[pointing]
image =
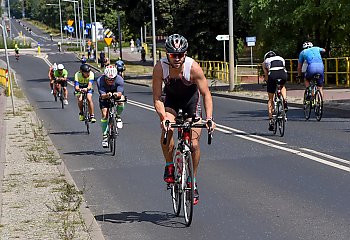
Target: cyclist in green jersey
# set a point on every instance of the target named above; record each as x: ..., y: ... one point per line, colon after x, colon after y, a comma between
x: 83, y: 81
x: 60, y: 76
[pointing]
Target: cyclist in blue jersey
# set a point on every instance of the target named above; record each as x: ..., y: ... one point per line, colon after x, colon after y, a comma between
x: 312, y: 55
x: 120, y: 65
x: 110, y: 84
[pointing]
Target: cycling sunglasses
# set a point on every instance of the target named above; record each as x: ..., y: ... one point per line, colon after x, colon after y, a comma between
x: 176, y: 55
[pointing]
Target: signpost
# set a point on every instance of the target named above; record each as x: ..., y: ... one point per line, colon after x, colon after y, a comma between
x: 223, y: 38
x: 108, y: 40
x: 251, y: 43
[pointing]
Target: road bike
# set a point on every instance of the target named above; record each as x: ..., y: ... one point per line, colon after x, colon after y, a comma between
x: 58, y: 92
x: 182, y: 190
x: 17, y: 57
x: 113, y: 131
x: 279, y: 116
x: 86, y: 113
x: 313, y: 99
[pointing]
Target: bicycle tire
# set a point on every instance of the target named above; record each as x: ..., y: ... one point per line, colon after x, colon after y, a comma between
x: 318, y: 105
x: 55, y: 95
x: 86, y: 116
x: 307, y: 106
x: 281, y: 117
x: 62, y: 98
x: 188, y: 192
x: 275, y: 112
x: 176, y: 186
x: 113, y: 135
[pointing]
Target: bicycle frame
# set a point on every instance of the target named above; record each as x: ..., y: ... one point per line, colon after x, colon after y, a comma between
x: 279, y: 115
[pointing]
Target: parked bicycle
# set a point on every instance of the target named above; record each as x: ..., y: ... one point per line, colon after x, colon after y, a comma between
x: 279, y: 116
x: 313, y: 99
x: 182, y: 190
x: 58, y: 92
x: 113, y: 131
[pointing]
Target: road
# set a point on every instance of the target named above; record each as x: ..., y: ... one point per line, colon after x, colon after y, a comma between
x: 252, y: 185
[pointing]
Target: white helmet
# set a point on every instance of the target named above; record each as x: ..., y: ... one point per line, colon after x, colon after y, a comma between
x: 54, y: 66
x: 111, y: 71
x: 307, y: 45
x: 60, y: 66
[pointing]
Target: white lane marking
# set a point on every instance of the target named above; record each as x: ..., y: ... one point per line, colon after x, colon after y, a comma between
x: 267, y: 142
x: 299, y: 153
x: 327, y: 156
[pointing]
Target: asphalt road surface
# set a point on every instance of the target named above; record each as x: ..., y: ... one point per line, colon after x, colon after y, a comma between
x: 252, y: 184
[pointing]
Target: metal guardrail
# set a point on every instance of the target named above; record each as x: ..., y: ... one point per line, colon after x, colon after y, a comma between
x: 337, y: 70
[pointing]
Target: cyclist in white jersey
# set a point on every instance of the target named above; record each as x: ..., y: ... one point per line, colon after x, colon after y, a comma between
x: 184, y: 84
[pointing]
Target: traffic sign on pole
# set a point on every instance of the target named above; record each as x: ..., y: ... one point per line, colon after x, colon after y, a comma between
x: 222, y: 37
x: 108, y: 41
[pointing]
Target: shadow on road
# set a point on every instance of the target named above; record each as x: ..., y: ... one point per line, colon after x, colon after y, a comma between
x: 85, y: 153
x: 69, y: 133
x: 163, y: 219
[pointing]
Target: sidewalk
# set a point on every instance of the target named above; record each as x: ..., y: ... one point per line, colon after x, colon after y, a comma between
x: 335, y: 97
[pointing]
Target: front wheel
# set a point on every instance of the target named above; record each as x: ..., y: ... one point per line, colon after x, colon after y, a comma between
x: 176, y: 187
x: 112, y: 135
x: 188, y: 185
x: 318, y: 105
x: 86, y: 116
x: 307, y: 105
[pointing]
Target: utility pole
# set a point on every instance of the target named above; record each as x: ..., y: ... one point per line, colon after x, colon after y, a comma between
x: 231, y: 47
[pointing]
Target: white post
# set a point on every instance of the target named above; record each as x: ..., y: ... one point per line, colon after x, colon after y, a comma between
x: 251, y: 56
x: 154, y: 48
x: 8, y: 67
x: 75, y: 20
x: 59, y: 5
x: 8, y: 8
x: 231, y: 46
x: 224, y: 51
x: 95, y: 32
x: 141, y: 36
x: 80, y: 42
x: 82, y: 20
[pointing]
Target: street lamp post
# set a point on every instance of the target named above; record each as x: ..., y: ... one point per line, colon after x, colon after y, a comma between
x: 154, y: 48
x: 59, y: 5
x: 82, y: 21
x: 95, y: 32
x: 8, y: 66
x: 75, y: 19
x: 231, y: 47
x: 9, y: 15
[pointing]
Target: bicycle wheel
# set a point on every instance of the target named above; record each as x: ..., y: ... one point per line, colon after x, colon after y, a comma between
x: 86, y: 116
x: 307, y: 106
x: 275, y: 114
x: 176, y: 187
x: 281, y: 118
x: 188, y: 187
x: 113, y: 135
x: 55, y: 94
x: 318, y: 105
x: 61, y: 98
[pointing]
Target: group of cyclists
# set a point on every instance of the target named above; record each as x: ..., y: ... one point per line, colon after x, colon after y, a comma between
x: 309, y: 63
x: 178, y: 83
x: 110, y: 84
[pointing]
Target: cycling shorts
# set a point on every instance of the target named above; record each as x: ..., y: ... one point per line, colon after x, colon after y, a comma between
x: 90, y: 91
x: 273, y: 76
x: 315, y: 68
x: 63, y: 83
x: 191, y: 106
x: 17, y: 51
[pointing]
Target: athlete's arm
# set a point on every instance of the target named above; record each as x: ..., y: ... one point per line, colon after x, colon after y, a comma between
x: 198, y: 77
x: 300, y: 63
x: 157, y: 90
x: 266, y: 73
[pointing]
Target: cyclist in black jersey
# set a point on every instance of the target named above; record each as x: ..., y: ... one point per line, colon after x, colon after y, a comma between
x: 184, y: 84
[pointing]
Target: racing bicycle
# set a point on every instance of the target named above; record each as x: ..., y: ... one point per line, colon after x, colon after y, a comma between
x: 113, y: 131
x: 86, y: 113
x: 58, y: 92
x: 182, y: 190
x: 279, y: 116
x: 313, y: 99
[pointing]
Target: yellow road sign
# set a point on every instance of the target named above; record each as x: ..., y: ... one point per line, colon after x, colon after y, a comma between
x: 108, y: 41
x: 108, y: 33
x: 70, y: 22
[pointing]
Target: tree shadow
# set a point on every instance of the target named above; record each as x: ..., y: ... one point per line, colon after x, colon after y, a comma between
x: 163, y: 219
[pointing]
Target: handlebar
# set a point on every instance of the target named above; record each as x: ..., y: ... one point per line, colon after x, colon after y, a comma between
x: 188, y: 125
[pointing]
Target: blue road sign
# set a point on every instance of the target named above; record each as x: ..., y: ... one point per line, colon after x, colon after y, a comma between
x: 65, y: 28
x: 71, y: 29
x: 88, y: 26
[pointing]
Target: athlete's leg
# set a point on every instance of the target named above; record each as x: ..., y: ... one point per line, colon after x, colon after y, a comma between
x: 91, y: 104
x: 196, y: 153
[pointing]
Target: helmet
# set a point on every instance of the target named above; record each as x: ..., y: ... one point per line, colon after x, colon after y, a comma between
x: 54, y: 66
x: 269, y: 54
x: 85, y: 68
x: 307, y: 45
x: 60, y: 66
x: 176, y: 44
x: 111, y: 71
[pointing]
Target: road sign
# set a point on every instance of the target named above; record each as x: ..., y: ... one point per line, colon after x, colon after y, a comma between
x: 88, y: 26
x: 70, y: 29
x: 250, y: 41
x: 70, y: 22
x: 222, y: 37
x: 108, y: 41
x: 108, y: 33
x: 65, y: 28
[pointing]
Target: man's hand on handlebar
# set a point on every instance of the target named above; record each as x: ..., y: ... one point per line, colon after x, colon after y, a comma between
x: 210, y: 125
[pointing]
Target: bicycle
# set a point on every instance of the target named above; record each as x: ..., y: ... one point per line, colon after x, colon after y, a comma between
x: 113, y: 132
x: 182, y: 191
x: 313, y: 99
x: 279, y: 117
x: 17, y: 57
x: 86, y: 113
x: 58, y: 92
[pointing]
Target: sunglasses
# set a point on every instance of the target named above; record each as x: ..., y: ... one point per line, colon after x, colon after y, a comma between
x: 176, y: 55
x: 110, y: 79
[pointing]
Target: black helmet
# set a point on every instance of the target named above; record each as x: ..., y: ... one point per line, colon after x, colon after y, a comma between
x: 176, y: 44
x: 269, y: 54
x: 85, y: 68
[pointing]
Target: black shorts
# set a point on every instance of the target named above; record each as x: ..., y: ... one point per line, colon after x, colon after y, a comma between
x: 63, y: 83
x: 273, y: 76
x: 191, y: 106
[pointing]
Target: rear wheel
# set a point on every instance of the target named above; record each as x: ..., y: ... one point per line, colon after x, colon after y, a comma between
x: 307, y: 105
x: 318, y: 105
x: 176, y: 187
x: 188, y: 189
